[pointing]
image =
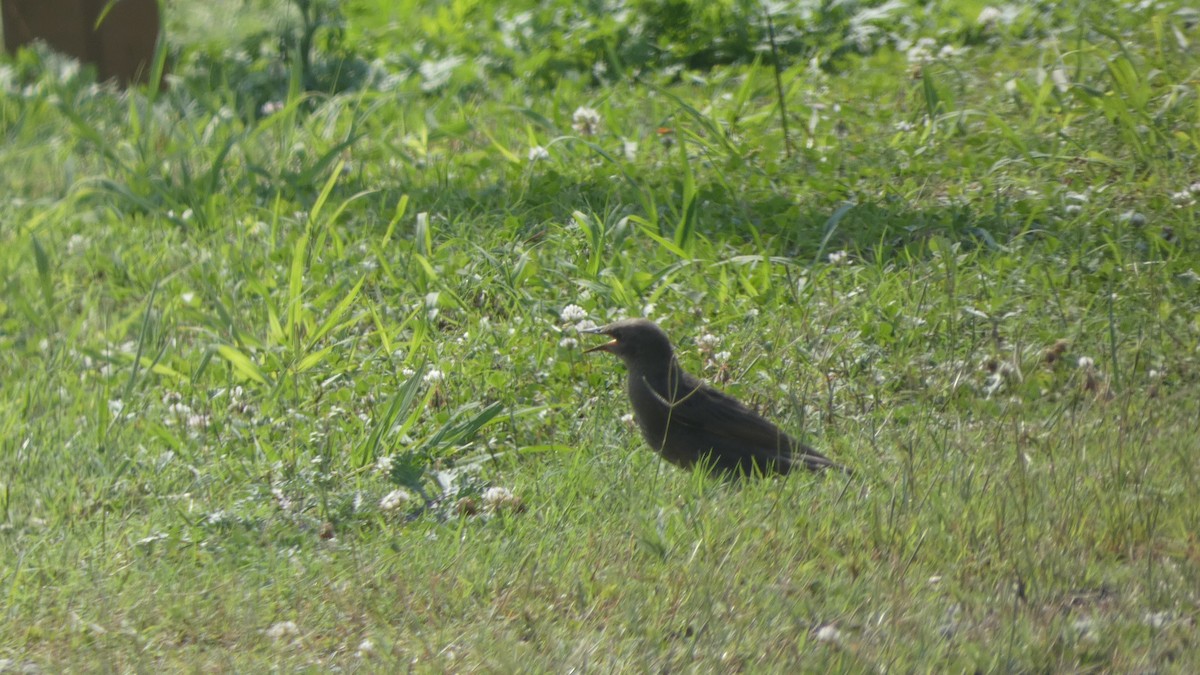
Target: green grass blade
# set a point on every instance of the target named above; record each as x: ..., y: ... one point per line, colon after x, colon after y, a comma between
x: 242, y: 364
x: 367, y: 451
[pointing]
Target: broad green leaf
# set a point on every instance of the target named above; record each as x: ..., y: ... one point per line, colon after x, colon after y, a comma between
x: 312, y: 359
x: 241, y: 363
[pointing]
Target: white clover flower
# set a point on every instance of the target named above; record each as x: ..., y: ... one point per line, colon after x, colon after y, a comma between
x: 568, y: 343
x: 827, y: 633
x: 115, y: 406
x: 586, y: 325
x: 497, y: 499
x: 494, y: 496
x: 76, y: 243
x: 180, y: 409
x: 708, y: 342
x: 270, y: 108
x: 950, y: 51
x: 433, y: 376
x: 989, y: 16
x: 585, y: 121
x: 572, y: 313
x: 921, y: 53
x: 395, y: 500
x: 1086, y: 362
x: 283, y: 630
x: 384, y: 464
x: 538, y: 152
x: 839, y: 257
x: 721, y: 357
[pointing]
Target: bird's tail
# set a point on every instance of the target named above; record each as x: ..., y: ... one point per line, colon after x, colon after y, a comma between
x: 812, y: 460
x: 821, y: 464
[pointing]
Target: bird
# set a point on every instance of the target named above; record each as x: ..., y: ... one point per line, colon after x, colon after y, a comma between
x: 688, y: 422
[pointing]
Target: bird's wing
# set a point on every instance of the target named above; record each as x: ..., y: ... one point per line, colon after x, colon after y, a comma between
x: 704, y: 408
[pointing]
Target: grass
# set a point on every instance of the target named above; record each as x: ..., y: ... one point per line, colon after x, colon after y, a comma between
x: 239, y: 318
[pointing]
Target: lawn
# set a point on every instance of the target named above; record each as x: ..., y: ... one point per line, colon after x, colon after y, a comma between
x: 291, y: 371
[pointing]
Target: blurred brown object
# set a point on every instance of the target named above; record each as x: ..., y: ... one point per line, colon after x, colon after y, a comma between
x: 121, y: 47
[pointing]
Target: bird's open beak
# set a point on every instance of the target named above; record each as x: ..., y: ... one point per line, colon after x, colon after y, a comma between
x: 606, y: 347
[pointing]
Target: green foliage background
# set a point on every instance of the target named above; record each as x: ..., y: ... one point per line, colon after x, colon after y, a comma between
x: 279, y: 342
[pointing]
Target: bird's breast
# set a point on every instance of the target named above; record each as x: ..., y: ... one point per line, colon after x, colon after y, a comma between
x: 653, y: 415
x: 649, y: 410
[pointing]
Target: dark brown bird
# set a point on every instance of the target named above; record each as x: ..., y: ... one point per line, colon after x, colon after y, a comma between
x: 686, y: 421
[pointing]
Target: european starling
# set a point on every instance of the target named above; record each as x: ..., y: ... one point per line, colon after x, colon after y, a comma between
x: 686, y: 421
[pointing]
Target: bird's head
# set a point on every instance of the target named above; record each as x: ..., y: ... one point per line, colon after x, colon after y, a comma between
x: 639, y: 342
